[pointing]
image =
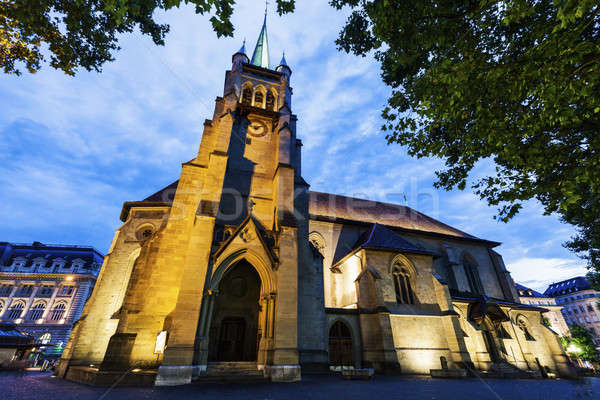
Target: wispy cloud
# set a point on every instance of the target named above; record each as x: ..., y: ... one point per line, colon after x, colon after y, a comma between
x: 537, y: 272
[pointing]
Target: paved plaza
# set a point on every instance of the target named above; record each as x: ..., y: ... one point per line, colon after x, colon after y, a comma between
x: 42, y: 386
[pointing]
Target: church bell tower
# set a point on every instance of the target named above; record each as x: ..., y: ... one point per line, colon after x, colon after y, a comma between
x: 214, y: 277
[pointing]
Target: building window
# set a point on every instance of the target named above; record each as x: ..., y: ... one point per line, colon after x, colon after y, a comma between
x: 590, y: 308
x: 404, y: 291
x: 45, y: 338
x: 144, y: 232
x: 15, y: 311
x: 473, y: 277
x: 258, y: 99
x: 37, y: 311
x: 25, y: 291
x: 45, y: 291
x: 247, y: 96
x: 5, y: 290
x: 270, y: 104
x: 1, y: 307
x: 523, y: 326
x: 66, y: 290
x: 58, y: 312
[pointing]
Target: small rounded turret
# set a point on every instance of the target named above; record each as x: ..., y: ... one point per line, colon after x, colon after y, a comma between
x: 284, y: 68
x: 240, y: 57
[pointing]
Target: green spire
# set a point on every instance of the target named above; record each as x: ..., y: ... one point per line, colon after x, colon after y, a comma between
x: 260, y: 57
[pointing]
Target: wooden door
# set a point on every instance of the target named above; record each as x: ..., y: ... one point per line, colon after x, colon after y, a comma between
x: 231, y: 339
x: 340, y: 345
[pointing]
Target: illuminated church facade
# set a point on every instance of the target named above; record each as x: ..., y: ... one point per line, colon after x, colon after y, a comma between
x: 237, y: 267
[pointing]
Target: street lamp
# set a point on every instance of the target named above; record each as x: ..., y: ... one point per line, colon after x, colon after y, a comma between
x: 573, y: 348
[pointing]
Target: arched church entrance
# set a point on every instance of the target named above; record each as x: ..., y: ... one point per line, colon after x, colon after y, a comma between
x: 234, y: 333
x: 340, y: 345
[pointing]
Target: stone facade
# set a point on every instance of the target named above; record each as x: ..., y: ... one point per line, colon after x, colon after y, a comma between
x: 239, y: 261
x: 43, y: 289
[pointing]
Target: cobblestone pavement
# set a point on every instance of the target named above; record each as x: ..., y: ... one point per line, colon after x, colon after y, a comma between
x: 42, y: 386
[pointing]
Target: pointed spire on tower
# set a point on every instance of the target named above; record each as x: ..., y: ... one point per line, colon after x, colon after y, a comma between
x: 242, y: 49
x: 284, y: 68
x: 240, y: 56
x: 260, y: 57
x: 283, y: 62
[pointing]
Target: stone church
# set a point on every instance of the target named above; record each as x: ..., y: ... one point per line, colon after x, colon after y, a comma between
x: 237, y: 267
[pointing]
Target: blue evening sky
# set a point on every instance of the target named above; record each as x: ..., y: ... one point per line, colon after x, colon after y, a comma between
x: 73, y: 149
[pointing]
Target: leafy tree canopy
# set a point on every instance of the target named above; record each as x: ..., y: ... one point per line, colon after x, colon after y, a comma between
x: 516, y: 82
x: 84, y: 33
x: 581, y: 339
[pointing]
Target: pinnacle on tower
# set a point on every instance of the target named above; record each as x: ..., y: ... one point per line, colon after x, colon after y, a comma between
x: 260, y: 57
x: 284, y: 68
x: 283, y: 62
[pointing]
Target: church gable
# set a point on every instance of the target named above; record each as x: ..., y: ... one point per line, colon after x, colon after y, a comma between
x: 250, y: 234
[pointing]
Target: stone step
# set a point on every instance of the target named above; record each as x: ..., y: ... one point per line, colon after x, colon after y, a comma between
x: 233, y: 369
x: 231, y: 379
x: 507, y: 370
x: 232, y: 372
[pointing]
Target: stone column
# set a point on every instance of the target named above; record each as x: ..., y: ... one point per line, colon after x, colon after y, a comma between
x: 9, y: 300
x: 50, y: 303
x: 202, y: 336
x: 285, y: 366
x: 30, y: 301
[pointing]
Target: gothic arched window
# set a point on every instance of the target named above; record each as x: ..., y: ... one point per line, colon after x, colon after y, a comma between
x: 37, y: 311
x: 15, y: 310
x: 270, y: 103
x: 523, y: 326
x: 472, y: 273
x: 258, y: 99
x: 402, y: 284
x: 58, y: 312
x: 247, y: 95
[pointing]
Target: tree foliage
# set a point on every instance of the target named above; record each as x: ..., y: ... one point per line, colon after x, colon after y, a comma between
x: 516, y: 82
x: 85, y: 33
x: 582, y: 339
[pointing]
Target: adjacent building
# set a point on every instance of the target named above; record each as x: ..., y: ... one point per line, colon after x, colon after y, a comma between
x: 238, y: 267
x: 554, y: 314
x: 579, y: 303
x: 43, y: 289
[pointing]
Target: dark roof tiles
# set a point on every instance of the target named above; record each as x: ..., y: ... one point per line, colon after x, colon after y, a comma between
x: 572, y: 285
x: 524, y: 291
x: 381, y: 238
